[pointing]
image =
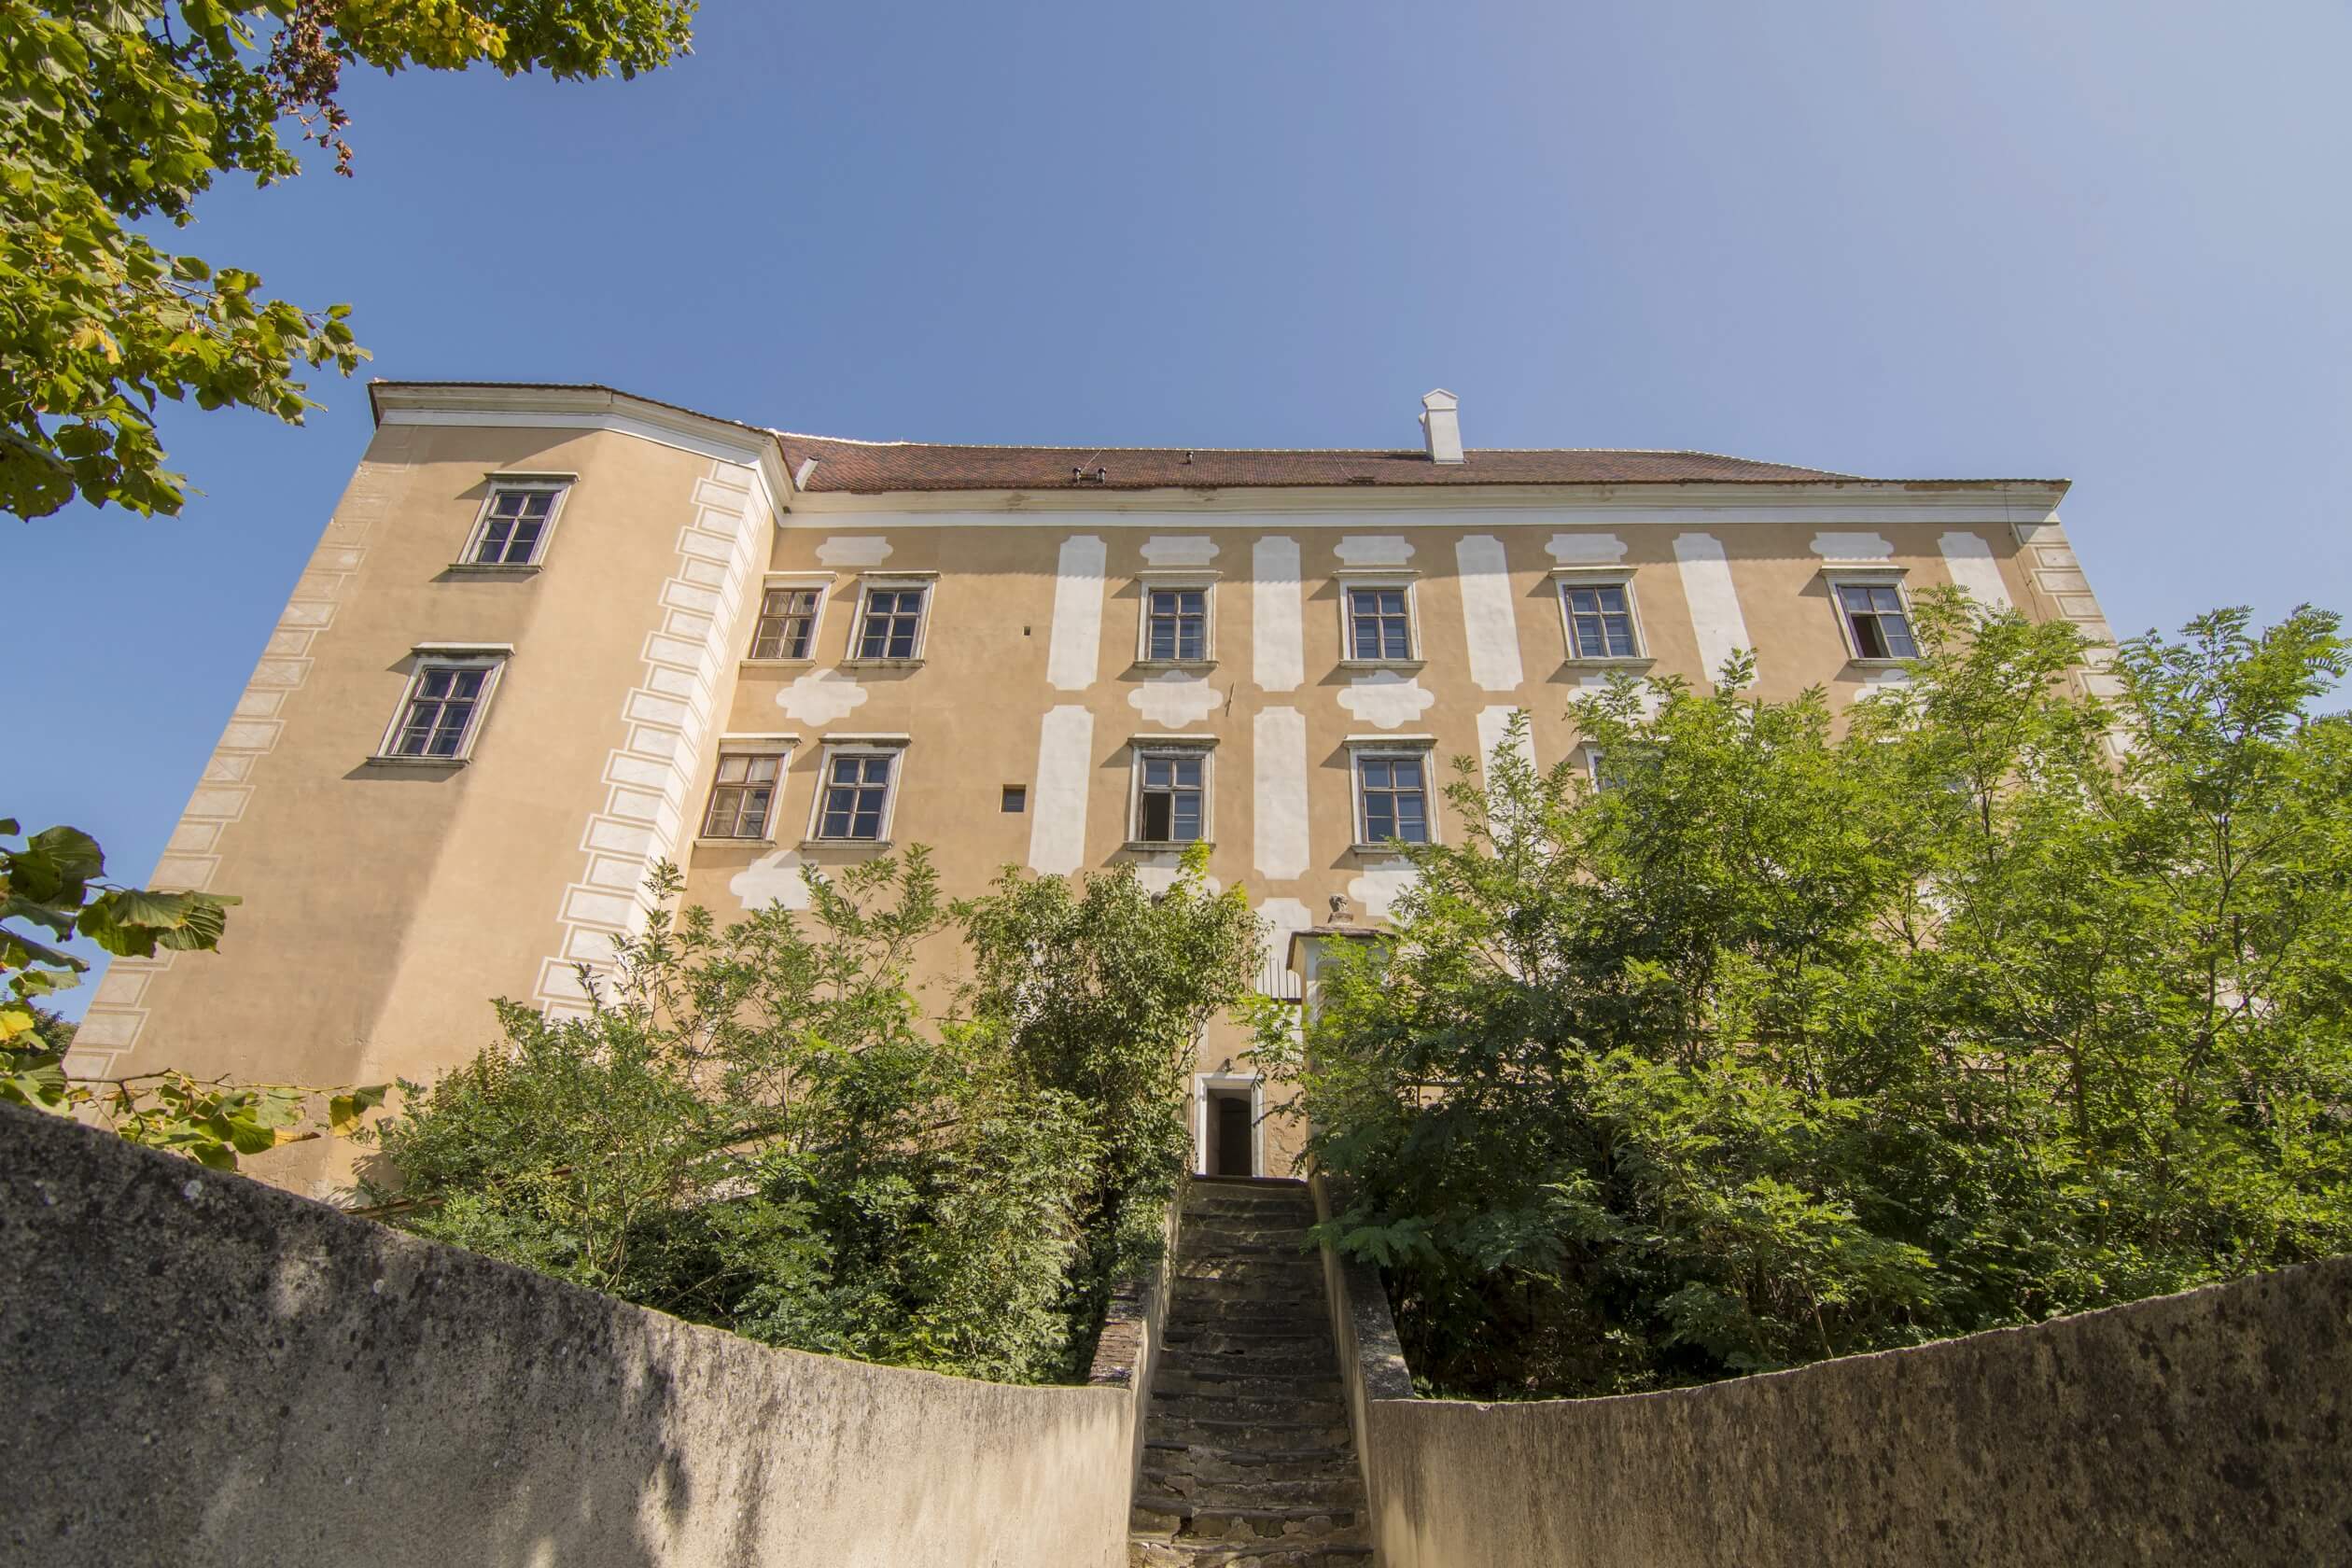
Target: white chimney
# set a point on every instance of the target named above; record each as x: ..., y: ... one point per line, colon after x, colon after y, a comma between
x: 1441, y: 426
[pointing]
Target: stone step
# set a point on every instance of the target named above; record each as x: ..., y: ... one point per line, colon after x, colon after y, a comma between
x: 1209, y: 1554
x: 1315, y: 1362
x: 1176, y: 1519
x: 1216, y: 1335
x: 1309, y: 1382
x: 1342, y: 1493
x: 1242, y: 1459
x: 1170, y: 1412
x: 1236, y: 1434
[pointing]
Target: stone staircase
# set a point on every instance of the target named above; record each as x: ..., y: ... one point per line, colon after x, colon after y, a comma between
x: 1248, y: 1458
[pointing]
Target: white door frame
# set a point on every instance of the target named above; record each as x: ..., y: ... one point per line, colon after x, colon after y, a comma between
x: 1203, y: 1082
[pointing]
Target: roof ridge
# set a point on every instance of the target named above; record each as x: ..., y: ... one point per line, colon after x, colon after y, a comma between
x: 1305, y: 451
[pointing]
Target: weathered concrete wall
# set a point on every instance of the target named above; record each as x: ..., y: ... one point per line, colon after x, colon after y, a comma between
x: 199, y: 1369
x: 2210, y: 1428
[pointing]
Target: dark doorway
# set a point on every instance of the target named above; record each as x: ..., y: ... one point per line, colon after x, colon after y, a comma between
x: 1229, y: 1139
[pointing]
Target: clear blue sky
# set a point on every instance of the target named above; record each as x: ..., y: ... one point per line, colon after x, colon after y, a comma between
x: 2106, y: 241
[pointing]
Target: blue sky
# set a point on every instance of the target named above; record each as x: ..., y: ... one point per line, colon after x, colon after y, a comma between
x: 2103, y: 241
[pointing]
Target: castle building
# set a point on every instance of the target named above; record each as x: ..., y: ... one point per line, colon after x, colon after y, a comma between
x: 556, y: 634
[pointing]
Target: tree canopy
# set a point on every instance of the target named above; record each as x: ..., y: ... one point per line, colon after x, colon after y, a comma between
x: 117, y: 114
x: 1792, y: 1036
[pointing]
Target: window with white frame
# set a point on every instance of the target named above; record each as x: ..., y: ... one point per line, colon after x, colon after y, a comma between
x: 743, y: 792
x: 857, y: 786
x: 1177, y: 622
x: 516, y: 518
x: 1393, y: 794
x: 1171, y: 794
x: 1599, y: 612
x: 1595, y: 771
x: 787, y: 623
x: 441, y: 712
x: 890, y: 621
x: 1877, y: 623
x: 1379, y: 621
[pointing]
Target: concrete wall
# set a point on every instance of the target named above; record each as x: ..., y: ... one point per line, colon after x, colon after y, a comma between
x: 200, y: 1369
x: 2209, y: 1428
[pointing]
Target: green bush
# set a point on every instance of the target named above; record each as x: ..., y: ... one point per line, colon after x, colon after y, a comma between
x: 1794, y: 1038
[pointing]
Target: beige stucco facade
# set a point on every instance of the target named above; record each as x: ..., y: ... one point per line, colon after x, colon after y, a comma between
x: 386, y: 901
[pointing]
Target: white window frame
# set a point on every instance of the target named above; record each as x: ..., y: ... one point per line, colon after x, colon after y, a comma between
x: 869, y: 583
x: 1839, y: 577
x: 1204, y: 1084
x: 426, y: 658
x: 1421, y: 747
x: 822, y: 582
x: 1203, y: 581
x: 1385, y: 577
x: 892, y: 745
x: 1172, y: 746
x: 559, y: 485
x: 777, y: 746
x: 1566, y: 578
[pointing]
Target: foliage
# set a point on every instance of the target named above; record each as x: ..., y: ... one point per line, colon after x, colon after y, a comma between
x: 53, y: 883
x: 115, y: 116
x: 753, y: 1126
x: 1791, y: 1042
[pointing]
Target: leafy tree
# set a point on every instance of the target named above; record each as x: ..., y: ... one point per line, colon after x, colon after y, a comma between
x: 756, y: 1127
x: 1793, y: 1039
x: 53, y: 882
x: 115, y: 115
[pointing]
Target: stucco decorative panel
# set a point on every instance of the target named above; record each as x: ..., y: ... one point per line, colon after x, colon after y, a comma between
x: 1076, y: 651
x: 1969, y: 560
x: 854, y: 550
x: 1065, y: 766
x: 821, y: 697
x: 1714, y: 602
x: 1157, y: 872
x: 1374, y: 550
x: 1277, y: 917
x: 1279, y: 818
x: 1380, y: 884
x: 1175, y: 699
x: 1278, y: 647
x: 1386, y: 699
x: 773, y: 878
x: 1180, y: 550
x: 1489, y: 625
x: 1586, y: 549
x: 1853, y: 547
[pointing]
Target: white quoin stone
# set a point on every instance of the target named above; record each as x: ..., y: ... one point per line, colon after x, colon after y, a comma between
x: 1441, y: 426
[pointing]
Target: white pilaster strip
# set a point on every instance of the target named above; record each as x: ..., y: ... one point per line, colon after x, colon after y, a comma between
x: 1065, y: 767
x: 1715, y: 603
x: 1969, y: 560
x: 1488, y: 623
x: 1494, y: 725
x: 1277, y: 652
x: 1279, y: 797
x: 1076, y: 652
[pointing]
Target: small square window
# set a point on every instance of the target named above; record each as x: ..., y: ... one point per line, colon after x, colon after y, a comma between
x: 514, y: 524
x: 853, y: 801
x: 742, y: 795
x: 787, y: 626
x: 1599, y: 620
x: 1379, y: 622
x: 1015, y: 799
x: 1393, y: 796
x: 1876, y: 622
x: 1171, y: 798
x: 894, y: 623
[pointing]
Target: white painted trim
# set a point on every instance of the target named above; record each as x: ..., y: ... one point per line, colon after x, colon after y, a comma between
x: 440, y: 656
x: 1176, y: 578
x: 802, y: 578
x: 1204, y: 1084
x: 1350, y: 581
x: 755, y: 742
x: 892, y: 746
x: 1201, y: 748
x: 560, y: 486
x: 1566, y: 578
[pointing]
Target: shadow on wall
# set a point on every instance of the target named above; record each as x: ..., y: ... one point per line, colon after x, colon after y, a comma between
x: 200, y: 1369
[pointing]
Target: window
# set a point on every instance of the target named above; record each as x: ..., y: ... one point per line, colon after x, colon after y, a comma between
x: 1876, y: 625
x: 1171, y: 797
x: 855, y: 789
x: 1380, y: 620
x: 514, y: 524
x: 1393, y: 797
x: 1595, y: 771
x: 1015, y: 799
x: 1179, y: 623
x: 742, y: 795
x: 891, y: 625
x: 1600, y: 617
x: 440, y: 713
x: 787, y: 627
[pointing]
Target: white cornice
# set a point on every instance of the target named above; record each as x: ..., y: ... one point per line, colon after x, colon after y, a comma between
x: 590, y: 408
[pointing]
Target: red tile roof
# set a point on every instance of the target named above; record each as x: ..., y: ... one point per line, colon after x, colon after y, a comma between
x: 867, y: 468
